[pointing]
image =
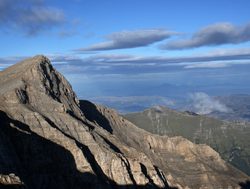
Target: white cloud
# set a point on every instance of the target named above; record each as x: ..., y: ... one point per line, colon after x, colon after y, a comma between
x: 212, y: 35
x: 204, y: 104
x: 207, y: 65
x: 130, y: 39
x: 30, y: 16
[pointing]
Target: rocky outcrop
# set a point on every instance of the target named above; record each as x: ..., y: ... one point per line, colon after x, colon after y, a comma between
x: 47, y: 141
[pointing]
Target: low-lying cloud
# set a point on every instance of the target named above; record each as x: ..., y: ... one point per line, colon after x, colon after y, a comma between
x: 30, y: 16
x: 212, y: 35
x: 130, y: 39
x: 204, y: 104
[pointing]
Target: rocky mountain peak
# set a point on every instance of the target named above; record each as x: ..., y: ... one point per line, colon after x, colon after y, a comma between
x: 36, y: 82
x: 46, y: 141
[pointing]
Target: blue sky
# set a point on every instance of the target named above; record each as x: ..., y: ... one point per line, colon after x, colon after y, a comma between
x: 133, y: 47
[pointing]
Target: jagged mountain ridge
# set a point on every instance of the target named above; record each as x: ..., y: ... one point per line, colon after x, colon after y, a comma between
x: 230, y: 139
x: 183, y: 162
x: 47, y: 141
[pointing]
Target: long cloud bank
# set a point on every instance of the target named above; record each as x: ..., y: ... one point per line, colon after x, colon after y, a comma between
x: 120, y: 59
x: 76, y: 63
x: 130, y: 39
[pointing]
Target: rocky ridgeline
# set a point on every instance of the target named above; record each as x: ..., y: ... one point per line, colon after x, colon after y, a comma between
x: 47, y: 140
x: 230, y: 139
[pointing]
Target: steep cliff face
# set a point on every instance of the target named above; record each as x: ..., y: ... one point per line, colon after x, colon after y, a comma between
x: 185, y: 164
x: 47, y: 141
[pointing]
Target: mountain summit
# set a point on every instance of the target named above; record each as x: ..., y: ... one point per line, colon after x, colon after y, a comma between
x: 50, y: 140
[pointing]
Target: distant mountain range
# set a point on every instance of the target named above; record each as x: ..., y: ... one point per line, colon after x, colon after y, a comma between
x: 126, y: 104
x: 230, y: 139
x: 229, y: 107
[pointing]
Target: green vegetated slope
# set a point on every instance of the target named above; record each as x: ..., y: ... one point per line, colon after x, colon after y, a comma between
x: 230, y: 139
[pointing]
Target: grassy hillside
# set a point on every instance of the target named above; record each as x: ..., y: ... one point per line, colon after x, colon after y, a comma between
x: 230, y: 139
